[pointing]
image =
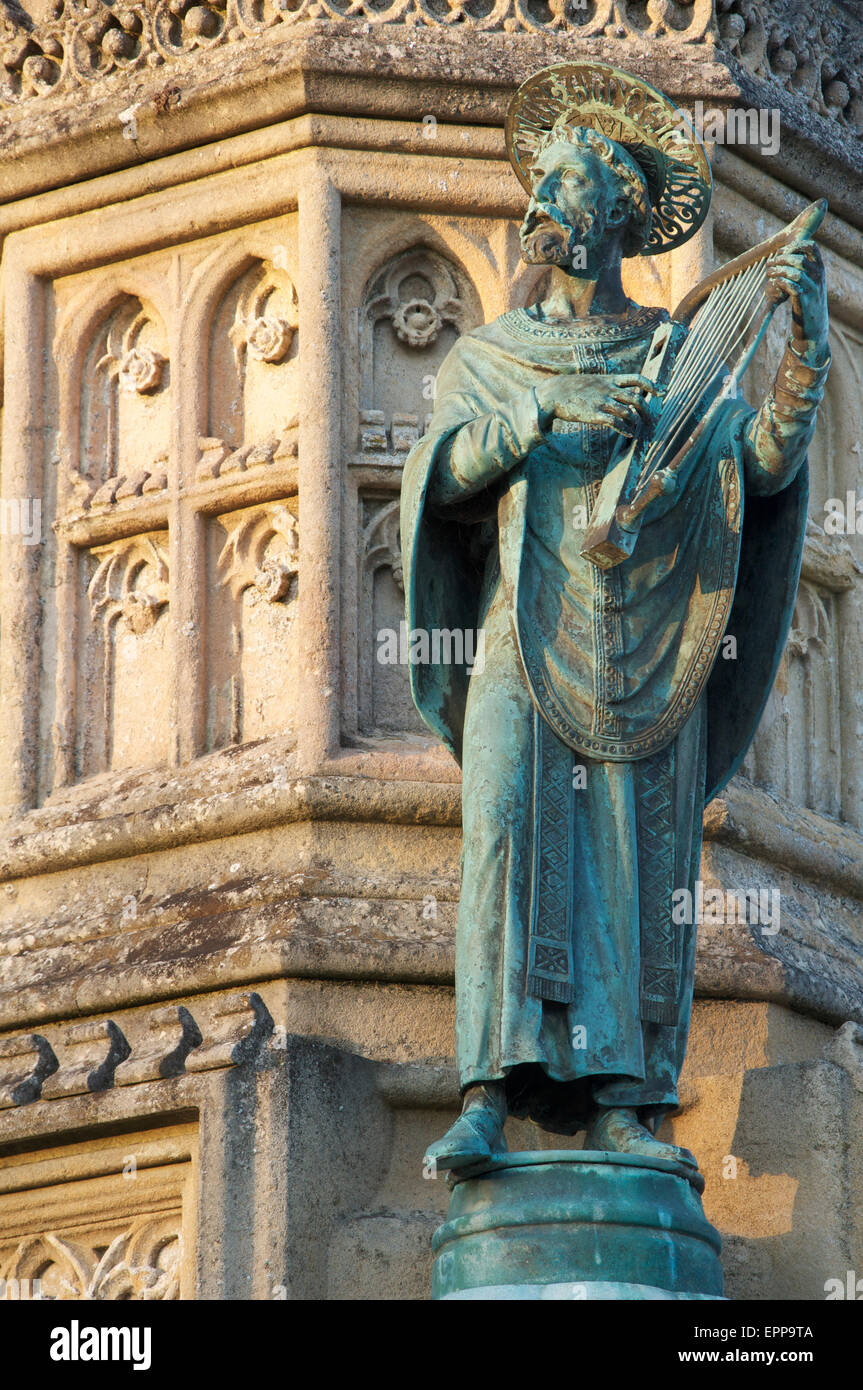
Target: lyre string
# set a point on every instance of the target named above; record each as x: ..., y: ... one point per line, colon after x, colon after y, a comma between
x: 719, y: 330
x: 700, y: 387
x: 716, y: 315
x: 712, y: 309
x: 711, y: 334
x: 750, y: 302
x: 738, y: 302
x: 717, y: 367
x: 717, y: 346
x: 705, y: 343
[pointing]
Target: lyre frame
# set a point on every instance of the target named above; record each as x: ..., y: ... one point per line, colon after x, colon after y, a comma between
x: 626, y: 489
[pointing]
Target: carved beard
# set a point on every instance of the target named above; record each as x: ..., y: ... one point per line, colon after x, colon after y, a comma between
x: 547, y: 238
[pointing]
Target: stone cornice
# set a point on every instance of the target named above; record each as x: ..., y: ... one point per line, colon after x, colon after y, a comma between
x: 812, y: 53
x: 79, y: 43
x: 195, y: 805
x: 293, y: 925
x: 387, y: 72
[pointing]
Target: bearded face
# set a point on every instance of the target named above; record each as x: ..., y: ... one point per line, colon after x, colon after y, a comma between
x: 573, y: 192
x: 548, y: 238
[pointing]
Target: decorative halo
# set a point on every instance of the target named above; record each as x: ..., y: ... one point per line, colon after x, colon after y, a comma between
x: 650, y: 128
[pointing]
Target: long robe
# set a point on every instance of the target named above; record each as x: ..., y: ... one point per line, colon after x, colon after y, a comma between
x: 599, y: 720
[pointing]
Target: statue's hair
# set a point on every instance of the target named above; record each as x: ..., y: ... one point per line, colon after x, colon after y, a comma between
x: 616, y: 158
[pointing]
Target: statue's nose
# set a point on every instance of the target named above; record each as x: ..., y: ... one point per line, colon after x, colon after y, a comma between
x: 537, y: 208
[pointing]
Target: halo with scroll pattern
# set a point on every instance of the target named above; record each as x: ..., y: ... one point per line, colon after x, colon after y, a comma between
x: 651, y: 129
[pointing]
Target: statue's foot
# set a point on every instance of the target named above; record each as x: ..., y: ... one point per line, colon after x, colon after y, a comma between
x: 618, y: 1131
x: 476, y: 1134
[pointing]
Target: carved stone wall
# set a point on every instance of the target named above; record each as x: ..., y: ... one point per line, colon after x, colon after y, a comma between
x: 110, y: 1220
x: 229, y: 848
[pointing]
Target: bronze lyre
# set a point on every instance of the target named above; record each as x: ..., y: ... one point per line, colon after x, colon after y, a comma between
x: 726, y: 316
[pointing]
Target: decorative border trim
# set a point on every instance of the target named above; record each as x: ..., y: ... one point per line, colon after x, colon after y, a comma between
x: 691, y: 685
x: 85, y: 41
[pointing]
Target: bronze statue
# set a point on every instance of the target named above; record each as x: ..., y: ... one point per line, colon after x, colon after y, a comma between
x: 593, y: 496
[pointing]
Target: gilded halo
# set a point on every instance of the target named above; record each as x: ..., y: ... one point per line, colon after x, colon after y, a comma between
x: 651, y: 129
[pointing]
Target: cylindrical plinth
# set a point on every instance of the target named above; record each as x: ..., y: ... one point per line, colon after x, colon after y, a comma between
x: 577, y: 1225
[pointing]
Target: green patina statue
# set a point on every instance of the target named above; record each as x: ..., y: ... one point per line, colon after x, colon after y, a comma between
x: 602, y: 717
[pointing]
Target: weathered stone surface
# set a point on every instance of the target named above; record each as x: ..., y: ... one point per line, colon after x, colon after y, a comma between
x: 214, y: 793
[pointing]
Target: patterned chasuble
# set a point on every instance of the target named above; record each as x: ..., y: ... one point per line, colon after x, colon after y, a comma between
x: 616, y: 659
x: 596, y: 669
x: 553, y: 896
x: 563, y: 483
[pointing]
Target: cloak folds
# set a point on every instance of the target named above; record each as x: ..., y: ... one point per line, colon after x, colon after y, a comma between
x: 573, y: 980
x: 755, y: 583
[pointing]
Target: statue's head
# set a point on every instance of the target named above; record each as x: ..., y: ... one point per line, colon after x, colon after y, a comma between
x: 585, y: 190
x: 605, y: 157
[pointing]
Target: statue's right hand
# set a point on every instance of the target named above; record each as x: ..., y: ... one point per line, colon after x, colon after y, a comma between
x: 619, y: 400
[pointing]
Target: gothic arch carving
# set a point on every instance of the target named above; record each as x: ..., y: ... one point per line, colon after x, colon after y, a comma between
x: 250, y: 558
x: 142, y: 1262
x: 414, y: 308
x: 251, y: 666
x: 385, y: 704
x: 123, y: 658
x: 122, y: 405
x: 251, y: 348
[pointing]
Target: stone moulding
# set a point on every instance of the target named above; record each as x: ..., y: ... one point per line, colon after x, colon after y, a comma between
x: 84, y: 41
x: 273, y: 934
x: 112, y: 1218
x: 129, y: 1269
x: 744, y: 817
x: 277, y: 94
x: 151, y: 1190
x: 167, y: 1041
x: 814, y: 54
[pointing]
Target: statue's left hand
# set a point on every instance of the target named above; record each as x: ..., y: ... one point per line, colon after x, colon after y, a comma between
x: 797, y: 273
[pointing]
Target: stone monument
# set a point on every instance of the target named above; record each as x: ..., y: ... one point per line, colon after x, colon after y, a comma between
x: 599, y: 722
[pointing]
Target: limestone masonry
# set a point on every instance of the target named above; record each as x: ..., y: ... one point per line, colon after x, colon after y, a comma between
x: 238, y: 239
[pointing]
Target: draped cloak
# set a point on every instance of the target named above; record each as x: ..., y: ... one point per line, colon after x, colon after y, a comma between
x: 614, y: 671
